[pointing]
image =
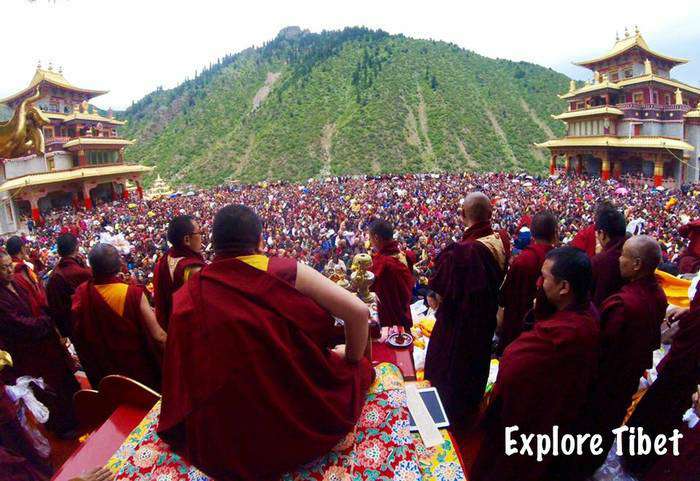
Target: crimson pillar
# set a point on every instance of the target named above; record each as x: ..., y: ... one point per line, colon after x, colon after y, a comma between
x: 139, y: 190
x: 658, y: 171
x: 605, y: 170
x: 553, y: 164
x: 36, y: 216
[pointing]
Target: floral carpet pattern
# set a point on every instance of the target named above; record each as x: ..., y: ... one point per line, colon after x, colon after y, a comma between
x: 380, y: 448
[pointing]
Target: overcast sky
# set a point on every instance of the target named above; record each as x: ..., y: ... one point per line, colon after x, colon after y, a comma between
x: 130, y: 47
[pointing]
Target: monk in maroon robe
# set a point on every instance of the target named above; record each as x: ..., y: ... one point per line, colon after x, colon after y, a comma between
x: 19, y: 459
x: 687, y: 464
x: 37, y: 351
x: 662, y: 406
x: 610, y: 227
x: 183, y: 259
x: 630, y: 323
x: 689, y: 260
x: 68, y: 274
x: 543, y: 375
x: 393, y: 281
x: 114, y: 328
x: 467, y: 277
x: 520, y: 286
x: 25, y: 275
x: 251, y: 389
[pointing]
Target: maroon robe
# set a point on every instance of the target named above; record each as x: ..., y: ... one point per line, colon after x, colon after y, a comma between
x: 37, y: 351
x: 19, y: 459
x: 519, y: 289
x: 660, y: 410
x: 68, y: 274
x: 607, y: 279
x: 542, y: 381
x: 630, y: 323
x: 685, y: 466
x: 165, y: 285
x: 467, y: 278
x: 689, y: 260
x: 29, y: 280
x: 250, y: 389
x: 585, y: 240
x: 108, y: 343
x: 393, y: 284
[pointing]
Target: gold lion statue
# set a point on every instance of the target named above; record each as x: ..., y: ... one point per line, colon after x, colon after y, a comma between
x: 22, y: 134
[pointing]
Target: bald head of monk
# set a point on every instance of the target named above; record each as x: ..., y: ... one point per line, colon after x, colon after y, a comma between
x: 105, y: 261
x: 640, y: 257
x: 476, y: 208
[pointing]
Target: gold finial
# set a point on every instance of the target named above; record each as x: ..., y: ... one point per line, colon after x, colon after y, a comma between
x: 596, y: 77
x: 647, y: 67
x: 60, y: 69
x: 627, y: 34
x: 5, y: 359
x: 636, y: 29
x: 679, y: 97
x: 572, y: 85
x: 84, y: 106
x: 617, y: 36
x: 50, y: 66
x: 110, y: 113
x: 38, y: 65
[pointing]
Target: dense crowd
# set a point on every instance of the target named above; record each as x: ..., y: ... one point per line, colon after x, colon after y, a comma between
x: 324, y: 222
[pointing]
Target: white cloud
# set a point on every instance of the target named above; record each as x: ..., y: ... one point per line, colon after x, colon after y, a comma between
x: 132, y: 46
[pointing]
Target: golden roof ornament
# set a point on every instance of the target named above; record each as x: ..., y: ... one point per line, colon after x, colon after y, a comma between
x: 617, y: 36
x: 50, y: 66
x: 647, y: 67
x: 572, y: 85
x: 596, y: 77
x: 636, y: 29
x: 627, y: 34
x: 84, y: 106
x: 110, y: 113
x: 38, y: 64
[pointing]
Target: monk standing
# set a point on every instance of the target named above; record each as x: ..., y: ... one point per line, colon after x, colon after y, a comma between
x: 544, y: 374
x: 467, y: 277
x: 68, y: 274
x: 183, y: 259
x: 25, y: 274
x: 36, y: 349
x: 250, y: 388
x: 661, y: 408
x: 393, y: 281
x: 610, y: 230
x: 630, y: 323
x: 114, y: 327
x: 689, y: 261
x: 520, y: 286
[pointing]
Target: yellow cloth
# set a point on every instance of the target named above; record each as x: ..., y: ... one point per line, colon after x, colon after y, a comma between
x: 114, y: 295
x: 676, y: 289
x: 258, y: 261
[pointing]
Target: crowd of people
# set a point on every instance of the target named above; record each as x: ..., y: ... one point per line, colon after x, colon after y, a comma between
x: 326, y: 221
x: 560, y: 271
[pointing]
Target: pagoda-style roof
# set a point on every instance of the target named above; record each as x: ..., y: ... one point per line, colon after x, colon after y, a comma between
x: 84, y: 116
x: 588, y: 112
x: 83, y: 141
x: 605, y: 85
x: 626, y: 44
x: 612, y: 141
x: 53, y: 78
x: 70, y: 175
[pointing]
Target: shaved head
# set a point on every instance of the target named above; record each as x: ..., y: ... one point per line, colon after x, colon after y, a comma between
x: 641, y: 255
x: 477, y: 208
x: 647, y: 249
x: 104, y: 260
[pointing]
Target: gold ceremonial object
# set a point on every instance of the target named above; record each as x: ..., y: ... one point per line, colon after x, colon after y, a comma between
x: 361, y: 278
x: 22, y: 134
x: 5, y: 359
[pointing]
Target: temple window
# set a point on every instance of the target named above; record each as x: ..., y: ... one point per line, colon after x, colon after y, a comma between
x: 628, y: 73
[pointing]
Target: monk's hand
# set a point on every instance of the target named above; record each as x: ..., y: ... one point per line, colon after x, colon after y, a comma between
x: 97, y: 474
x: 676, y: 314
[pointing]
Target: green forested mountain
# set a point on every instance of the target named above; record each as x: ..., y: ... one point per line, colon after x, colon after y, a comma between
x: 346, y: 102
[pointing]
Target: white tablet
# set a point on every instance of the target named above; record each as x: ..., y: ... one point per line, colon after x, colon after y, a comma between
x: 432, y: 401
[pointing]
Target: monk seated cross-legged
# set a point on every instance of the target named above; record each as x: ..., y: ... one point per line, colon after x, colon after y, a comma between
x: 251, y: 389
x: 114, y: 327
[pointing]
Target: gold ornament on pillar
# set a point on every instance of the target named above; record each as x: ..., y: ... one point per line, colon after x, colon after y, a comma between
x: 22, y: 134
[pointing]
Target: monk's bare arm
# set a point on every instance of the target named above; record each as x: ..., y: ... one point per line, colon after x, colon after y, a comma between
x: 341, y: 304
x: 149, y: 316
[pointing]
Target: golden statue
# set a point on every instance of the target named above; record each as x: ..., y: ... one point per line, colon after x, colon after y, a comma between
x: 22, y: 134
x: 5, y: 360
x: 361, y: 278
